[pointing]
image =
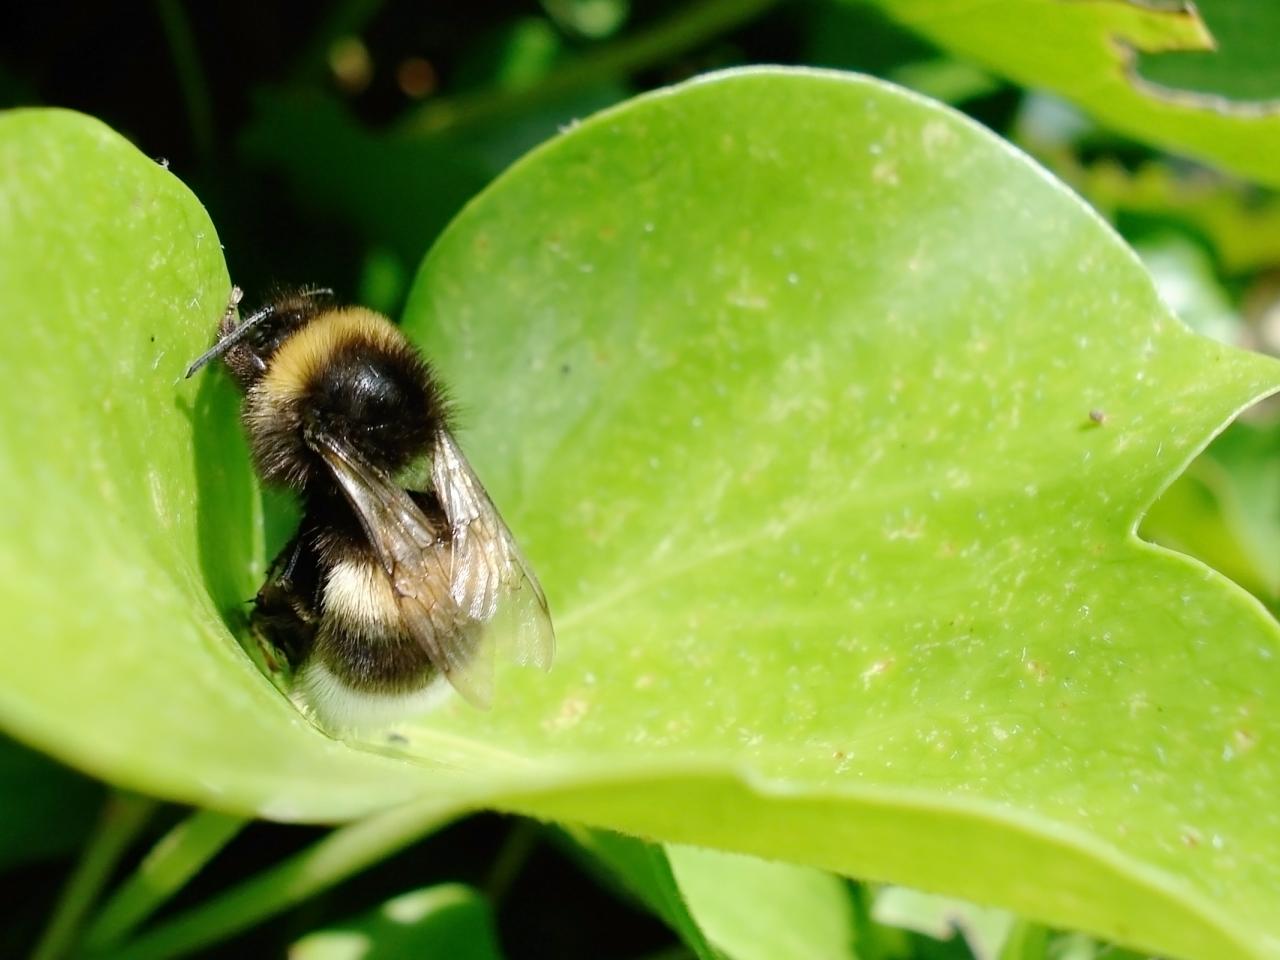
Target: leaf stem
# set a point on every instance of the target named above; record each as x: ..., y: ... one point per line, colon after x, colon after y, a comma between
x: 123, y: 817
x: 328, y: 861
x: 694, y: 24
x: 511, y: 858
x: 174, y: 860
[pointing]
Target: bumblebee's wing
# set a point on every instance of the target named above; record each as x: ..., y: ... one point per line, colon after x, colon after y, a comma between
x: 417, y: 558
x: 490, y: 579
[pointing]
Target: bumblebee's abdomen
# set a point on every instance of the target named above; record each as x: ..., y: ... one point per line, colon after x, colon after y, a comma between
x: 364, y: 670
x: 362, y: 640
x: 348, y: 374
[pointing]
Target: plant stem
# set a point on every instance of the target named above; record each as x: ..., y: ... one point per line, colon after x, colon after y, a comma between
x: 511, y: 858
x: 191, y: 79
x: 123, y: 817
x: 174, y: 860
x: 694, y: 24
x: 337, y: 856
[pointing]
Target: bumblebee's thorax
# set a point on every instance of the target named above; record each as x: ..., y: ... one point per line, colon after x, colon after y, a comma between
x: 349, y: 374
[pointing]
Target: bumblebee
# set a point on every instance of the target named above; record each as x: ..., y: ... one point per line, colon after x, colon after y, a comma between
x: 402, y: 574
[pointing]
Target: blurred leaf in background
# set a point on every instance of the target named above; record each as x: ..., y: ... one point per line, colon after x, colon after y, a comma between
x: 1226, y: 509
x: 1242, y: 69
x: 445, y: 921
x: 1085, y: 52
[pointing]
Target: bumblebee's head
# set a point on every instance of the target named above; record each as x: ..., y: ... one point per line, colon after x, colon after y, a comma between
x: 247, y: 346
x: 349, y: 375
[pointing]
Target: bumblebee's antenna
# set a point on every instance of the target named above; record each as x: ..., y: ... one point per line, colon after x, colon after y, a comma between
x: 242, y: 330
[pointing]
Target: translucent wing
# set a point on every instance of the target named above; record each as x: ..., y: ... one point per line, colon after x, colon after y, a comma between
x: 418, y: 558
x: 490, y: 579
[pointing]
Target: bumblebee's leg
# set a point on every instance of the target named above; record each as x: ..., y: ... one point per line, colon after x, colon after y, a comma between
x: 240, y: 359
x: 286, y: 611
x: 228, y: 321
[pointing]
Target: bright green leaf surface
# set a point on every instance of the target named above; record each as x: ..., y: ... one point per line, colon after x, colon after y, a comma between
x: 1086, y: 52
x: 842, y: 512
x: 447, y: 921
x: 784, y: 381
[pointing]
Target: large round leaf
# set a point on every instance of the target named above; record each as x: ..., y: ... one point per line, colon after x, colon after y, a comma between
x: 785, y: 382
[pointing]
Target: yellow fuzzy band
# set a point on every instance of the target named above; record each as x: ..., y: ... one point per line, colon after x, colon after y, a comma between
x: 294, y: 366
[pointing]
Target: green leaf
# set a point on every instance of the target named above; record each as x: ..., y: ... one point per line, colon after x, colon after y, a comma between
x: 783, y: 379
x: 328, y: 861
x: 121, y: 821
x: 1249, y: 457
x: 1183, y: 273
x: 1242, y: 227
x: 754, y: 909
x: 820, y: 417
x: 1224, y: 509
x: 1026, y: 941
x: 133, y: 534
x: 1075, y: 946
x: 744, y: 907
x: 985, y: 931
x: 449, y: 920
x: 1086, y: 53
x: 643, y: 870
x: 588, y: 18
x: 48, y: 809
x: 1242, y: 66
x: 177, y: 857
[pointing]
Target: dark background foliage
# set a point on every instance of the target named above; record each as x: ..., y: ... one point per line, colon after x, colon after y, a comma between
x: 331, y: 143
